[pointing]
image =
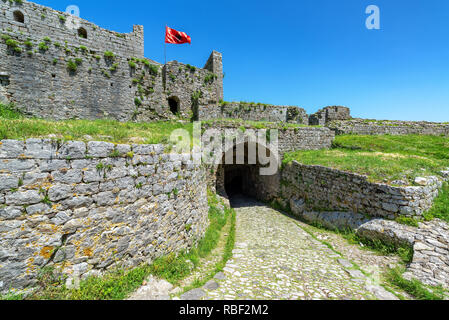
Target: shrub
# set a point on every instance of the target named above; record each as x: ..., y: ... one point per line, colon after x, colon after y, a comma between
x: 209, y: 78
x: 72, y: 66
x: 190, y: 68
x: 132, y: 64
x: 114, y: 67
x: 12, y: 43
x: 62, y: 18
x: 43, y: 46
x: 109, y: 55
x: 154, y: 70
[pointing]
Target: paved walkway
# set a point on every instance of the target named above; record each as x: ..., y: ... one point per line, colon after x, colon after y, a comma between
x: 275, y: 258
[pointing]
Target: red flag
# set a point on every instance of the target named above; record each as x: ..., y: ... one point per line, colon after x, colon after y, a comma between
x: 176, y: 37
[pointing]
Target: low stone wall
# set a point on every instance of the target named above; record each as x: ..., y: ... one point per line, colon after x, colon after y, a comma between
x: 290, y: 138
x: 254, y: 112
x: 430, y: 243
x: 83, y: 208
x: 379, y: 127
x: 327, y: 189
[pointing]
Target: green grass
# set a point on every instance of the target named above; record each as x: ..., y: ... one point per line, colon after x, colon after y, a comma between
x: 255, y: 124
x: 382, y: 158
x: 413, y: 287
x: 118, y: 284
x: 9, y: 112
x: 227, y: 254
x: 440, y: 208
x: 403, y: 251
x: 14, y: 126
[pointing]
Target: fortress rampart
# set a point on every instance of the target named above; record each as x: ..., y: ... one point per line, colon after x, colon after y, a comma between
x: 59, y: 67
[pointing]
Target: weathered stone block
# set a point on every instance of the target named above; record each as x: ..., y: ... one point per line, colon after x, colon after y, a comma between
x: 67, y: 176
x: 40, y: 149
x: 123, y: 149
x: 39, y: 208
x: 51, y: 165
x: 24, y: 198
x: 143, y: 149
x: 10, y: 149
x: 72, y: 150
x: 60, y: 192
x: 77, y: 202
x: 17, y: 165
x: 100, y: 149
x: 8, y: 182
x: 9, y: 213
x: 92, y: 175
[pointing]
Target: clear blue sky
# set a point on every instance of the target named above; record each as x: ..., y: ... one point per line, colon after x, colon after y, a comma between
x: 309, y: 53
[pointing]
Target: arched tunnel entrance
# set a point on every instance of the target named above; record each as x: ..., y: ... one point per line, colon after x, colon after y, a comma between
x: 236, y: 180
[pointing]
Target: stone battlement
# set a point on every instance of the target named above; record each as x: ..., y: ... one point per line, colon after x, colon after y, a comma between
x: 57, y: 66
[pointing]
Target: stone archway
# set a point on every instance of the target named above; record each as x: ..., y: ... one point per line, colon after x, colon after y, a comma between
x: 245, y: 179
x: 82, y: 33
x: 19, y: 16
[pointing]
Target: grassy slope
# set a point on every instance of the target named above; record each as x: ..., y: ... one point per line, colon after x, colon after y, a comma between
x: 14, y: 126
x: 382, y: 158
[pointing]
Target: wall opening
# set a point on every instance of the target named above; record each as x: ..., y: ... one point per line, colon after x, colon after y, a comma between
x: 18, y: 16
x: 173, y: 103
x: 4, y: 80
x: 82, y: 33
x: 236, y: 181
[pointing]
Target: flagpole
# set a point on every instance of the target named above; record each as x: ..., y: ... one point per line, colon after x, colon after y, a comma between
x: 165, y: 46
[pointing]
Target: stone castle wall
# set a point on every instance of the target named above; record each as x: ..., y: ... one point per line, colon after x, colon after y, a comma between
x: 290, y: 139
x: 326, y: 189
x: 254, y: 112
x: 379, y: 127
x: 35, y: 73
x: 84, y: 208
x: 40, y: 22
x: 325, y: 115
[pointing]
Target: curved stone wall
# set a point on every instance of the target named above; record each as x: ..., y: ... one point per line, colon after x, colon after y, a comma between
x: 326, y: 189
x: 84, y: 208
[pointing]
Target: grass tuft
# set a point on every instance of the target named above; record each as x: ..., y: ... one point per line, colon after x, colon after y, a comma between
x: 440, y: 208
x: 9, y: 112
x: 413, y: 287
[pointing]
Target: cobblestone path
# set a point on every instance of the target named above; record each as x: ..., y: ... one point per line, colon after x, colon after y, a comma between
x: 274, y: 258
